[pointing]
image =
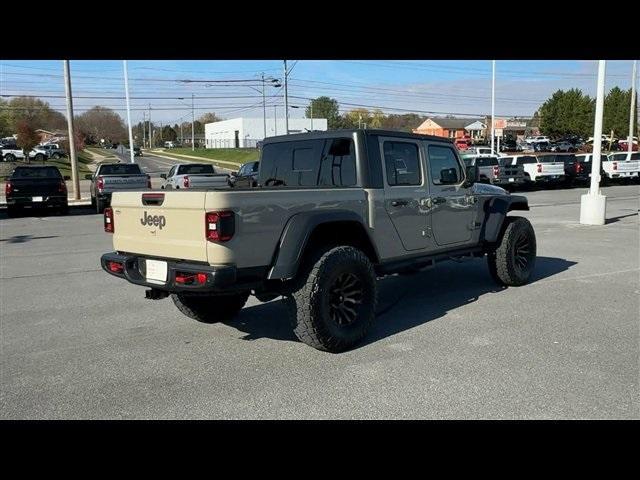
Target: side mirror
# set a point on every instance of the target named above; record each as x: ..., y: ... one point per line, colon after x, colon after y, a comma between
x: 67, y: 177
x: 473, y: 174
x: 234, y: 173
x: 163, y: 175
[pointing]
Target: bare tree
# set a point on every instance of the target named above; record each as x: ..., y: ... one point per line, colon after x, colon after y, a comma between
x: 27, y: 138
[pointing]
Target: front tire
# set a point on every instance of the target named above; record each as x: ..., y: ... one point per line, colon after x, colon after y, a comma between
x: 514, y: 258
x: 9, y: 157
x: 210, y: 308
x: 333, y: 303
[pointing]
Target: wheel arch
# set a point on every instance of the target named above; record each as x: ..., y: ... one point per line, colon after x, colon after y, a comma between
x: 306, y: 231
x: 495, y: 212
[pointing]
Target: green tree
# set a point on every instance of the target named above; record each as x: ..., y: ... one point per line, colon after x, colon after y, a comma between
x: 27, y: 138
x: 567, y: 113
x: 325, y: 107
x: 616, y: 112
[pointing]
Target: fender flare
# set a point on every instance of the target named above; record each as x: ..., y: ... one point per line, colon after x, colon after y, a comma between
x: 495, y: 211
x: 295, y: 237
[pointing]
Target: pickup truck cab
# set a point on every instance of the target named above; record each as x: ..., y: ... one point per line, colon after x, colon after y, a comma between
x: 492, y: 170
x: 36, y: 186
x: 116, y: 177
x: 541, y: 169
x: 332, y: 212
x: 193, y: 176
x: 246, y: 176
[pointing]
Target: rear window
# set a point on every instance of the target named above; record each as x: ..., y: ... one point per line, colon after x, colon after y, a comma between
x: 309, y: 163
x: 486, y: 161
x: 623, y: 156
x: 549, y: 158
x: 46, y: 172
x: 526, y: 159
x: 120, y: 169
x: 505, y: 161
x: 195, y: 169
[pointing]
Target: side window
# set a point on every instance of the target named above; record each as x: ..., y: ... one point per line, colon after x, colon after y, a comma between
x: 171, y: 172
x: 444, y: 167
x: 291, y: 164
x: 402, y: 163
x: 254, y: 167
x: 338, y: 165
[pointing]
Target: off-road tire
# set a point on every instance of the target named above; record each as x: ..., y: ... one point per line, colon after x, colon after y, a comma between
x: 517, y: 244
x: 317, y: 302
x: 9, y: 157
x: 39, y: 157
x: 210, y: 308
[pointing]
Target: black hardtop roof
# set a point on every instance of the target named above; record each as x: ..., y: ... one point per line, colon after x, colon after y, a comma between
x: 349, y: 132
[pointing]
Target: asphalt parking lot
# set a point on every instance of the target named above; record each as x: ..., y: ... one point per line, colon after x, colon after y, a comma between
x: 448, y: 343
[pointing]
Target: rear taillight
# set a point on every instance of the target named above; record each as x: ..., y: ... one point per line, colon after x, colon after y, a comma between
x: 578, y: 167
x: 149, y: 182
x: 100, y: 184
x: 185, y: 278
x: 115, y: 267
x: 62, y: 187
x: 496, y: 170
x: 539, y: 168
x: 186, y: 182
x: 8, y: 188
x: 615, y: 165
x: 219, y: 226
x: 109, y: 226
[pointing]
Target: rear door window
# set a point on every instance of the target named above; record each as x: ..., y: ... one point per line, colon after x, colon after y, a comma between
x: 338, y: 165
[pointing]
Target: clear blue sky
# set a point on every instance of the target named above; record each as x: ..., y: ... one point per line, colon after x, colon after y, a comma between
x: 442, y: 87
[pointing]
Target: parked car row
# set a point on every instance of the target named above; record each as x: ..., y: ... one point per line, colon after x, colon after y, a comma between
x: 10, y: 152
x: 525, y: 170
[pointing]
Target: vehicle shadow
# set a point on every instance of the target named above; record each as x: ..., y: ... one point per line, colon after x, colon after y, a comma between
x: 404, y: 302
x: 50, y: 212
x: 617, y: 219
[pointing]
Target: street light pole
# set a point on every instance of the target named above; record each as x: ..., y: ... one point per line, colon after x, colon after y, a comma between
x: 150, y: 132
x: 193, y: 119
x: 593, y: 205
x: 493, y: 103
x: 632, y: 110
x: 286, y: 100
x: 144, y: 130
x: 72, y: 143
x: 126, y: 91
x: 264, y: 110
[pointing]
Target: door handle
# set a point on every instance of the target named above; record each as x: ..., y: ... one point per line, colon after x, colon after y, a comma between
x: 399, y: 203
x: 438, y: 200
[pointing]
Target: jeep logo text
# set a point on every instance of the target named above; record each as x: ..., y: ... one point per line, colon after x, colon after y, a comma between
x: 153, y: 221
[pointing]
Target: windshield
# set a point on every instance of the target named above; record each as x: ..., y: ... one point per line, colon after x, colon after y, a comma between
x: 46, y: 172
x: 121, y: 169
x: 195, y: 169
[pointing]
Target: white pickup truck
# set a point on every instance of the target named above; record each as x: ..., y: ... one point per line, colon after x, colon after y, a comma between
x: 193, y: 176
x: 539, y: 169
x: 621, y: 165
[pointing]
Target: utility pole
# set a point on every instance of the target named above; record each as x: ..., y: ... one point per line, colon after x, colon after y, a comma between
x: 632, y: 110
x: 72, y: 139
x: 126, y: 91
x: 193, y: 119
x: 264, y: 110
x: 593, y: 205
x: 493, y: 104
x: 150, y: 132
x: 275, y: 121
x: 144, y: 130
x: 286, y: 99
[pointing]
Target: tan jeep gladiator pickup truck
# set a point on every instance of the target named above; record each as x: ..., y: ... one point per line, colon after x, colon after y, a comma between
x: 332, y: 212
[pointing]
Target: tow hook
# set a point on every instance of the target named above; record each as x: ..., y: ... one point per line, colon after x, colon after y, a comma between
x: 155, y: 294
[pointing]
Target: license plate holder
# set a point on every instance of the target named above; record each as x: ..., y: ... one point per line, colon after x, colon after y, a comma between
x: 36, y: 199
x: 156, y: 271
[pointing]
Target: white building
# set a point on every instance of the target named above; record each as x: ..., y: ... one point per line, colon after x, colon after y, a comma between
x: 246, y: 132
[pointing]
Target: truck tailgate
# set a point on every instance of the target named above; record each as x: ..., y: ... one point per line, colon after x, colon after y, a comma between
x: 113, y: 183
x: 555, y: 168
x: 625, y: 166
x: 167, y: 225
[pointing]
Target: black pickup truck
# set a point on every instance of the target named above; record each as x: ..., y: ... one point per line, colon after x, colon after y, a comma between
x: 36, y: 187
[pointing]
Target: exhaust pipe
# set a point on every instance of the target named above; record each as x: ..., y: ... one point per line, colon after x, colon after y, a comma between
x: 155, y: 294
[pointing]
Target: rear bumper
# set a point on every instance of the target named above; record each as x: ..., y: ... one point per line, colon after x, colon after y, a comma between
x: 508, y: 181
x: 549, y: 178
x: 47, y: 201
x: 219, y: 277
